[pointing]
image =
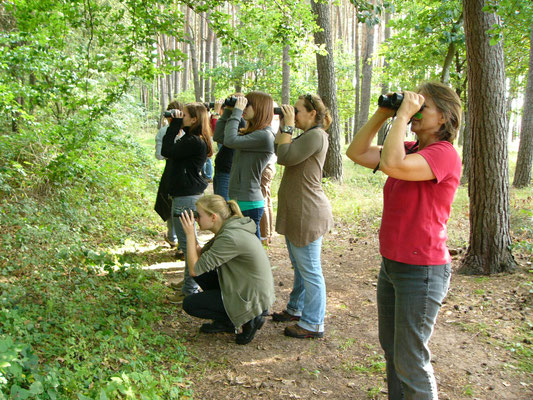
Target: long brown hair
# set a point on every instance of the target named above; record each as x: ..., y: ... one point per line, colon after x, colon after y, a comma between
x: 201, y: 127
x: 449, y: 104
x: 215, y: 204
x: 263, y: 111
x: 314, y: 102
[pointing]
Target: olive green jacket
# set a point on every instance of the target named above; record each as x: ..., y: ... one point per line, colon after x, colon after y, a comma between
x: 244, y: 273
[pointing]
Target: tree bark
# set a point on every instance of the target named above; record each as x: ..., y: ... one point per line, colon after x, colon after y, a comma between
x: 327, y: 88
x: 522, y: 177
x: 194, y: 62
x: 186, y: 51
x: 356, y: 73
x: 467, y: 148
x: 450, y: 55
x: 286, y: 75
x: 366, y: 84
x: 385, y: 88
x: 201, y: 46
x: 214, y: 65
x: 489, y: 250
x: 208, y: 56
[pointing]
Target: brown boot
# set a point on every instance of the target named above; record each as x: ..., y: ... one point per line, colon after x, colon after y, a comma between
x: 301, y: 333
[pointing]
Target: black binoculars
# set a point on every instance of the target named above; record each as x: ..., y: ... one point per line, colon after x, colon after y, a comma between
x: 394, y: 101
x: 194, y: 212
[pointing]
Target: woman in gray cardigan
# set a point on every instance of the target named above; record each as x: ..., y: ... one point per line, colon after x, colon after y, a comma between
x: 232, y: 269
x: 304, y: 213
x: 253, y: 145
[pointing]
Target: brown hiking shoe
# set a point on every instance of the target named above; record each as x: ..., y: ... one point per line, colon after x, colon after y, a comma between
x: 301, y: 333
x: 284, y: 316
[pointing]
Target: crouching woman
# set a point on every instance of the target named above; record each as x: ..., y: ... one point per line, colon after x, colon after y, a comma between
x: 232, y: 269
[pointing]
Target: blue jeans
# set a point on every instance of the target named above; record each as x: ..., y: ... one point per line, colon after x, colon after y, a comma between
x: 171, y: 232
x: 207, y: 170
x: 308, y: 297
x: 221, y: 184
x: 409, y: 298
x: 255, y: 214
x: 180, y: 204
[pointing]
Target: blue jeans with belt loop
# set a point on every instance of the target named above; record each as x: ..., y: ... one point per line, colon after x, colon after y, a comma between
x: 308, y: 297
x: 180, y: 204
x: 409, y: 298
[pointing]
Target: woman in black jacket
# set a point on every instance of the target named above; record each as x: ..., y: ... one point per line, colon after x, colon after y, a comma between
x: 187, y: 157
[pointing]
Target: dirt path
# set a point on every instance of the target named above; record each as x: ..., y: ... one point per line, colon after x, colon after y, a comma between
x: 469, y: 355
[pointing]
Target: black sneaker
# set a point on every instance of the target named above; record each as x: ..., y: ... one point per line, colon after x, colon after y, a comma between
x: 217, y: 327
x: 249, y: 329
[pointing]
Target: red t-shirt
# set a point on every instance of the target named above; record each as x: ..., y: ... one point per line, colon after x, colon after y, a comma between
x: 415, y: 213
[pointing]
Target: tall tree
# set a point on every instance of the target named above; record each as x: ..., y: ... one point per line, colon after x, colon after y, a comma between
x: 366, y: 82
x: 327, y: 87
x: 286, y: 76
x: 489, y: 250
x: 522, y: 177
x: 385, y: 86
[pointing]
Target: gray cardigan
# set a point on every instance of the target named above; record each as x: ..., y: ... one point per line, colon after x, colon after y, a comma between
x: 252, y: 152
x: 304, y: 212
x: 245, y: 275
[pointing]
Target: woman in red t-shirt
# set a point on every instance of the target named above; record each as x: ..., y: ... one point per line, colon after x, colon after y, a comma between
x: 416, y: 265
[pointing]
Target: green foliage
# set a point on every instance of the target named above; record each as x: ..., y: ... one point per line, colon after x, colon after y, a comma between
x: 252, y: 59
x: 423, y: 31
x: 75, y: 321
x: 87, y: 335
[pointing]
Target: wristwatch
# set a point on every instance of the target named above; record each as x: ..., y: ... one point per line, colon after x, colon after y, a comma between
x: 288, y: 129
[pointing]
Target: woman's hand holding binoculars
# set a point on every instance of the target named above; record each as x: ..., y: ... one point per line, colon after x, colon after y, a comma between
x: 288, y: 115
x: 241, y: 102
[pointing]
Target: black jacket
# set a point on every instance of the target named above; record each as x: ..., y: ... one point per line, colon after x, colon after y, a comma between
x: 186, y: 157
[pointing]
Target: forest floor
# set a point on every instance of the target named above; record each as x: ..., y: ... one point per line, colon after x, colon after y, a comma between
x: 481, y: 348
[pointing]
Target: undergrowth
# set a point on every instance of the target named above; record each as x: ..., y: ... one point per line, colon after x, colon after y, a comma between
x: 77, y: 322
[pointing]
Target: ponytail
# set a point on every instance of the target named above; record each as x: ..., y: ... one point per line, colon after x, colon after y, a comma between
x: 215, y: 204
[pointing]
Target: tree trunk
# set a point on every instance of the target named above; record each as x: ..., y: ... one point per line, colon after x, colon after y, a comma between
x: 490, y: 240
x: 522, y: 177
x: 467, y: 148
x: 163, y: 98
x: 186, y: 51
x: 448, y: 60
x: 286, y: 75
x: 385, y: 88
x: 201, y: 45
x: 356, y: 73
x: 366, y: 84
x: 194, y: 62
x: 208, y: 56
x: 327, y: 88
x: 214, y: 65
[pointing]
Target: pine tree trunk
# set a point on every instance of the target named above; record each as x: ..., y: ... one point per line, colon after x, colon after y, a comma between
x: 208, y: 56
x: 467, y: 149
x: 194, y: 62
x: 327, y: 88
x: 448, y: 60
x: 201, y: 45
x: 356, y: 73
x: 522, y: 177
x: 214, y: 65
x: 366, y: 84
x: 489, y: 250
x: 384, y: 85
x: 286, y: 75
x: 186, y: 51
